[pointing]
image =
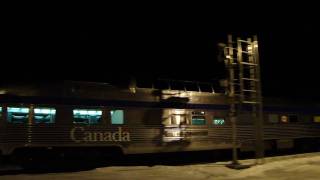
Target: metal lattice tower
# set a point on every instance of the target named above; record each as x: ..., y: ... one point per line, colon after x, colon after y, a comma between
x: 244, y: 88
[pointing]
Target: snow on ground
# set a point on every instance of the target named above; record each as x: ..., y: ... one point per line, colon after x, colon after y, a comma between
x: 303, y: 166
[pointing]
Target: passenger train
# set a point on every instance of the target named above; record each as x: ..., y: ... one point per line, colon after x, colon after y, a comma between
x: 82, y: 116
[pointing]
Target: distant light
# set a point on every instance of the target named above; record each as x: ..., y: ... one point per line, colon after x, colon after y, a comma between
x: 228, y: 57
x: 249, y: 47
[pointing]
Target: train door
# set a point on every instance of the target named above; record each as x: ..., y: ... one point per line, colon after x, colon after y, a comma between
x: 199, y: 124
x: 17, y: 125
x: 175, y: 122
x: 185, y: 125
x: 43, y: 128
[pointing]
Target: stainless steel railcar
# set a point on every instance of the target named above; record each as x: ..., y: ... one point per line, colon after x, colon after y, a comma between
x: 141, y: 120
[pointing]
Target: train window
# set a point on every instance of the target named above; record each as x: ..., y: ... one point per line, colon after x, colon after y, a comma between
x: 0, y: 112
x: 293, y: 118
x: 284, y: 119
x: 44, y: 115
x: 273, y: 118
x: 198, y: 113
x: 17, y: 114
x: 178, y: 119
x: 87, y: 116
x: 198, y: 120
x: 316, y: 119
x: 117, y: 116
x: 218, y: 121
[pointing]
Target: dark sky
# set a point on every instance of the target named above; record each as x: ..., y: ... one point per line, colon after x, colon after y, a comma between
x: 167, y: 43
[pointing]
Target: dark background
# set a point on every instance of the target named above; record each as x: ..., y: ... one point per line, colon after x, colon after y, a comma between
x: 116, y: 43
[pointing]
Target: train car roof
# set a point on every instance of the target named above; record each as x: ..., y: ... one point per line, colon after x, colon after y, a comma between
x: 92, y: 91
x: 75, y: 92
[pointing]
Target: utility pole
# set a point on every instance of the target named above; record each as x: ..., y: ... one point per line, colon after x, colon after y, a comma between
x: 232, y: 101
x: 259, y: 120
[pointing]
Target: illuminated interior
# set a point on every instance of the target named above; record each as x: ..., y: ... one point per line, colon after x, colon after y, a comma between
x: 178, y: 117
x: 316, y: 119
x: 44, y: 115
x: 198, y: 120
x: 86, y: 116
x: 284, y: 119
x: 219, y: 121
x: 17, y: 114
x: 117, y: 117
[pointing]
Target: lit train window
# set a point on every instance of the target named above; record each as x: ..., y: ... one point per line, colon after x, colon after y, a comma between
x: 316, y: 119
x: 17, y: 114
x: 44, y: 115
x: 200, y: 113
x: 0, y: 112
x: 218, y: 121
x: 117, y: 116
x: 86, y: 116
x: 178, y: 119
x: 198, y: 120
x: 284, y: 119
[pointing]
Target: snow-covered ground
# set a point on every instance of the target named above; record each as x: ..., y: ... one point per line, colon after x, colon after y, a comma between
x: 303, y: 166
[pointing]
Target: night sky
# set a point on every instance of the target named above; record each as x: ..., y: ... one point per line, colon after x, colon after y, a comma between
x: 179, y: 43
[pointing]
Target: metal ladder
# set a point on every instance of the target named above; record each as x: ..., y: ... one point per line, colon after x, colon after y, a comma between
x: 244, y: 88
